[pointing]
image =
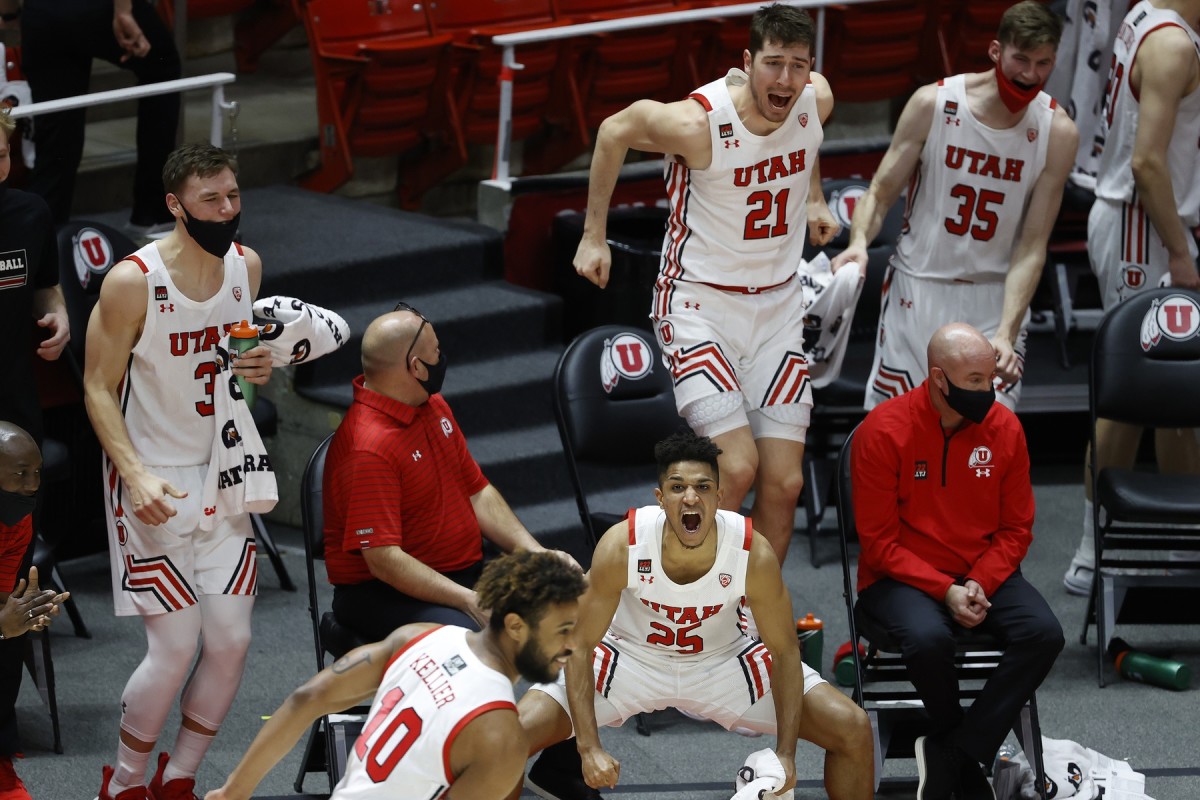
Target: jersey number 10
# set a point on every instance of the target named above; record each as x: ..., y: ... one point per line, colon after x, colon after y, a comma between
x: 393, y: 743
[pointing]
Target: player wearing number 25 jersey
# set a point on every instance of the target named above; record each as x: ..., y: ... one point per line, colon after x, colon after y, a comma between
x: 984, y: 156
x: 660, y: 628
x: 442, y: 722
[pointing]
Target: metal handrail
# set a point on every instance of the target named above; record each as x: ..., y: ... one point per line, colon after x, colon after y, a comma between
x: 215, y: 81
x: 510, y: 41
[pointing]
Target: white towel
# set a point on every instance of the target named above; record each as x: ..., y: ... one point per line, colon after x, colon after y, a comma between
x: 1073, y: 770
x: 829, y: 302
x: 240, y: 477
x: 759, y: 777
x: 298, y: 331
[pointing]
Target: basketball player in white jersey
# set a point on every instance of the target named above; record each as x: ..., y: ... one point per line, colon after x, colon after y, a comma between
x: 443, y: 723
x: 743, y: 181
x: 659, y: 628
x: 149, y: 382
x: 1147, y: 203
x: 984, y: 156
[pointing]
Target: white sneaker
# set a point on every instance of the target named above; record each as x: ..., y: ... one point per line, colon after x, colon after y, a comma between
x: 1078, y: 578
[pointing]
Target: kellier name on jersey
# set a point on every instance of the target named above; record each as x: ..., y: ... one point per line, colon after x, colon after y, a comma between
x: 435, y: 679
x: 200, y: 341
x: 683, y: 615
x: 770, y: 169
x: 233, y: 475
x: 984, y: 164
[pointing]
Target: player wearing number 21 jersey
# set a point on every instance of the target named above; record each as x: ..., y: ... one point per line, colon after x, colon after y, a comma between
x: 743, y: 183
x: 443, y: 723
x: 984, y: 156
x: 659, y: 628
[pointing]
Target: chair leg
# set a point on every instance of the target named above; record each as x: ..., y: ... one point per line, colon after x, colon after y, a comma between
x: 1029, y: 735
x: 40, y: 663
x: 881, y: 744
x: 316, y: 739
x: 268, y: 544
x: 73, y: 614
x: 643, y: 727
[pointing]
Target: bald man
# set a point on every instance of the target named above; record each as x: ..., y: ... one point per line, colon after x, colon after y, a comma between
x: 406, y: 506
x: 944, y: 508
x: 24, y: 607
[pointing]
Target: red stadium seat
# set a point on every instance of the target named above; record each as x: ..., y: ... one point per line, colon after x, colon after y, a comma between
x: 872, y: 52
x: 477, y: 65
x: 383, y: 89
x: 967, y: 30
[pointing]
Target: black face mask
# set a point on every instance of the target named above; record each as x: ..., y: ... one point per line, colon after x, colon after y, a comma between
x: 214, y: 238
x: 15, y: 507
x: 974, y: 405
x: 437, y: 374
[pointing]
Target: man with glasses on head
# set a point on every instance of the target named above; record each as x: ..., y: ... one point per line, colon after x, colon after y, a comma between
x: 406, y: 507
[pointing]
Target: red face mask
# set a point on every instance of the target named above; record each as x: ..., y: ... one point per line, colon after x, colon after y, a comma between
x: 1014, y: 97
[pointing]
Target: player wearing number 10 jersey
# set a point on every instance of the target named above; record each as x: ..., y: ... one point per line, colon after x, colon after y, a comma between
x: 659, y: 628
x: 985, y: 156
x: 742, y: 178
x: 443, y: 723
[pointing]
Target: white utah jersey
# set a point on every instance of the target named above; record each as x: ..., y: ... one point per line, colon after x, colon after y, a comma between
x: 693, y: 620
x: 166, y: 394
x: 967, y: 199
x: 743, y: 220
x: 431, y: 689
x: 1118, y: 123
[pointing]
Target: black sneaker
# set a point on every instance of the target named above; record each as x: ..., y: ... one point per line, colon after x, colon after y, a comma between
x: 972, y: 782
x: 937, y: 768
x: 558, y: 774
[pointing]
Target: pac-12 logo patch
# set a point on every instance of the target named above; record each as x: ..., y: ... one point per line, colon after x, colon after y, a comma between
x: 626, y: 355
x: 725, y: 578
x: 803, y: 120
x: 1175, y: 317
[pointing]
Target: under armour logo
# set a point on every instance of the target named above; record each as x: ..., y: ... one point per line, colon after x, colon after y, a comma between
x: 732, y: 143
x: 416, y: 455
x: 646, y: 579
x: 165, y: 307
x: 953, y: 121
x: 905, y: 303
x: 690, y: 304
x: 983, y: 473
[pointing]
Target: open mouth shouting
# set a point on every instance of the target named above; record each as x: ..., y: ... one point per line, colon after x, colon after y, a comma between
x: 691, y: 521
x: 778, y: 102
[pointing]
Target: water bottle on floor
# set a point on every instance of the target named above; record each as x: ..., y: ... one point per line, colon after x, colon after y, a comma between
x: 810, y: 632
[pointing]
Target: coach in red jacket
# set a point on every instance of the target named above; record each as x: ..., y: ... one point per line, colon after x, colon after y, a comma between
x: 944, y: 508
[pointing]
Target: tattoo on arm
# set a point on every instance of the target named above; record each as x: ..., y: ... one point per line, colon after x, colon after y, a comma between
x: 344, y: 664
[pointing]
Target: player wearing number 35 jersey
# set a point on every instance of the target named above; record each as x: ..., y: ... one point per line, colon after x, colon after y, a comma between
x: 743, y: 182
x: 985, y: 156
x: 660, y: 628
x: 443, y: 723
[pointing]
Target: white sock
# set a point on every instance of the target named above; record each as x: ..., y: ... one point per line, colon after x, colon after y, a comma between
x: 130, y: 769
x: 187, y: 754
x: 1085, y: 554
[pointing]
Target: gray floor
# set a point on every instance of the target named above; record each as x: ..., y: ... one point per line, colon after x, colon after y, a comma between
x: 1154, y: 729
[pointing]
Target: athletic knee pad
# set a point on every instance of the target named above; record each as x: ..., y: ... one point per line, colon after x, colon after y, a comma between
x: 715, y: 414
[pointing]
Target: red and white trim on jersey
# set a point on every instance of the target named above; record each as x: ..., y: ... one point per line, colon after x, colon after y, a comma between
x: 608, y: 656
x: 1135, y: 233
x: 470, y: 716
x: 158, y: 576
x: 893, y: 381
x: 708, y: 361
x: 910, y: 199
x: 787, y: 386
x: 411, y: 643
x: 679, y: 188
x: 755, y: 661
x: 245, y: 575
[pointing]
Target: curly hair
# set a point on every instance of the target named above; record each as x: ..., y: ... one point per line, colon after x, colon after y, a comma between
x: 785, y: 26
x: 685, y: 446
x: 8, y: 125
x: 202, y: 159
x: 525, y: 583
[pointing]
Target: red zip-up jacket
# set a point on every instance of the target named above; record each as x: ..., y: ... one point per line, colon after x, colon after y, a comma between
x: 935, y: 507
